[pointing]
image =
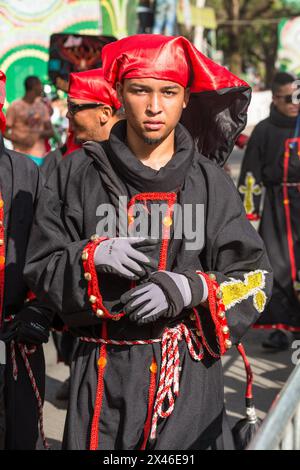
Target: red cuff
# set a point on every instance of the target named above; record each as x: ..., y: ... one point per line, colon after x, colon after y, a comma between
x: 90, y: 275
x: 217, y: 312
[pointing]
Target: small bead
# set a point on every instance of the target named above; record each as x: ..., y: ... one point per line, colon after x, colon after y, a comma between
x: 167, y: 221
x: 221, y: 315
x: 84, y: 256
x: 153, y: 368
x: 94, y: 238
x: 130, y: 219
x: 1, y: 223
x: 102, y: 362
x: 198, y: 333
x: 225, y: 330
x: 93, y: 299
x: 192, y: 317
x: 2, y: 260
x: 87, y: 276
x: 212, y: 276
x: 1, y: 242
x: 219, y: 294
x: 228, y: 343
x: 99, y: 313
x: 1, y: 203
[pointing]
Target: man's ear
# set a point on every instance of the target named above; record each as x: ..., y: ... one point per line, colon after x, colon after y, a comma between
x: 104, y: 114
x: 119, y: 90
x: 187, y: 94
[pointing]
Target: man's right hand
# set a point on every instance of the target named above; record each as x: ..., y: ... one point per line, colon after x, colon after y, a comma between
x: 120, y: 256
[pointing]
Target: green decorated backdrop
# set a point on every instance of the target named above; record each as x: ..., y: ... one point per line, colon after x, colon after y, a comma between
x: 26, y: 27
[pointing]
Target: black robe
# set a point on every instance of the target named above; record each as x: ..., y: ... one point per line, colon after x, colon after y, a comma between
x: 20, y: 184
x: 263, y: 167
x: 51, y: 161
x: 65, y: 220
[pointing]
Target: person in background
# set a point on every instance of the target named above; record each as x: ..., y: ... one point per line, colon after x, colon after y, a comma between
x: 272, y: 161
x: 28, y: 124
x: 145, y: 16
x: 165, y: 17
x: 93, y: 108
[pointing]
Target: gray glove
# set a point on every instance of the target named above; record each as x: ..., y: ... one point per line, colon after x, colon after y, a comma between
x: 149, y: 302
x: 121, y: 256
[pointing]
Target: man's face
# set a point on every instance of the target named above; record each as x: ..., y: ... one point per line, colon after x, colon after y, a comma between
x: 152, y: 107
x: 86, y: 123
x: 281, y: 97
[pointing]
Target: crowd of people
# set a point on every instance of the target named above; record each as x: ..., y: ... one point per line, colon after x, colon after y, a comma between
x: 98, y: 245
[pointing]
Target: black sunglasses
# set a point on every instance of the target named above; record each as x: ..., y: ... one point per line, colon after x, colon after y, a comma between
x: 288, y: 99
x: 74, y: 108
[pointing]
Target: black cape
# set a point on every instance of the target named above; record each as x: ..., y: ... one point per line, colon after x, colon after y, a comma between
x: 263, y: 165
x: 66, y: 218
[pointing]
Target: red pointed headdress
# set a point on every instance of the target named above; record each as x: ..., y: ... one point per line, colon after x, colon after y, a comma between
x: 217, y: 111
x: 91, y: 86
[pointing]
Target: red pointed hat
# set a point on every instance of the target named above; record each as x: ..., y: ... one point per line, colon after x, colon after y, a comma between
x: 165, y: 58
x: 2, y: 100
x: 91, y: 86
x: 217, y: 110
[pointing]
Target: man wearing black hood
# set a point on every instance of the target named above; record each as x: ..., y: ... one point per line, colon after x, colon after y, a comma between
x: 272, y: 161
x: 154, y: 313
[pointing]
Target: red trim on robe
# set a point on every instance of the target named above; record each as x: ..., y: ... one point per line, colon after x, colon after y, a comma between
x: 170, y: 198
x: 217, y: 312
x: 287, y: 211
x: 151, y: 399
x: 102, y: 361
x: 94, y: 294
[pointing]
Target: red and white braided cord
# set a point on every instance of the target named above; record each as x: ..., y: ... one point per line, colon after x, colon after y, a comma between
x: 25, y: 352
x: 169, y: 371
x: 119, y: 342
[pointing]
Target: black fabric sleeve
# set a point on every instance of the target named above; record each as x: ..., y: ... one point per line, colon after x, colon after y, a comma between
x: 236, y: 255
x: 54, y: 269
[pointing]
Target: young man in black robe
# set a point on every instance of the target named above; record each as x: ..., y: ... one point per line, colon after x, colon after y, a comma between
x: 154, y: 313
x: 272, y: 161
x: 24, y: 326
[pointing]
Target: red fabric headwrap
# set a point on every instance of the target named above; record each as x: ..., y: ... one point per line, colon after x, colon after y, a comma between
x: 165, y: 58
x: 2, y: 100
x: 91, y: 86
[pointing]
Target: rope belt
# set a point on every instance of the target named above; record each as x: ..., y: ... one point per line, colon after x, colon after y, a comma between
x: 25, y: 353
x: 168, y: 386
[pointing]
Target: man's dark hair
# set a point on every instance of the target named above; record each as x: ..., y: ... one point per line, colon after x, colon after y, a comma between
x: 30, y: 82
x: 281, y: 79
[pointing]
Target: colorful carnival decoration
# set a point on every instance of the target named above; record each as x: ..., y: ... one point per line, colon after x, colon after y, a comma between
x: 25, y: 29
x: 74, y: 53
x: 289, y: 40
x: 119, y: 17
